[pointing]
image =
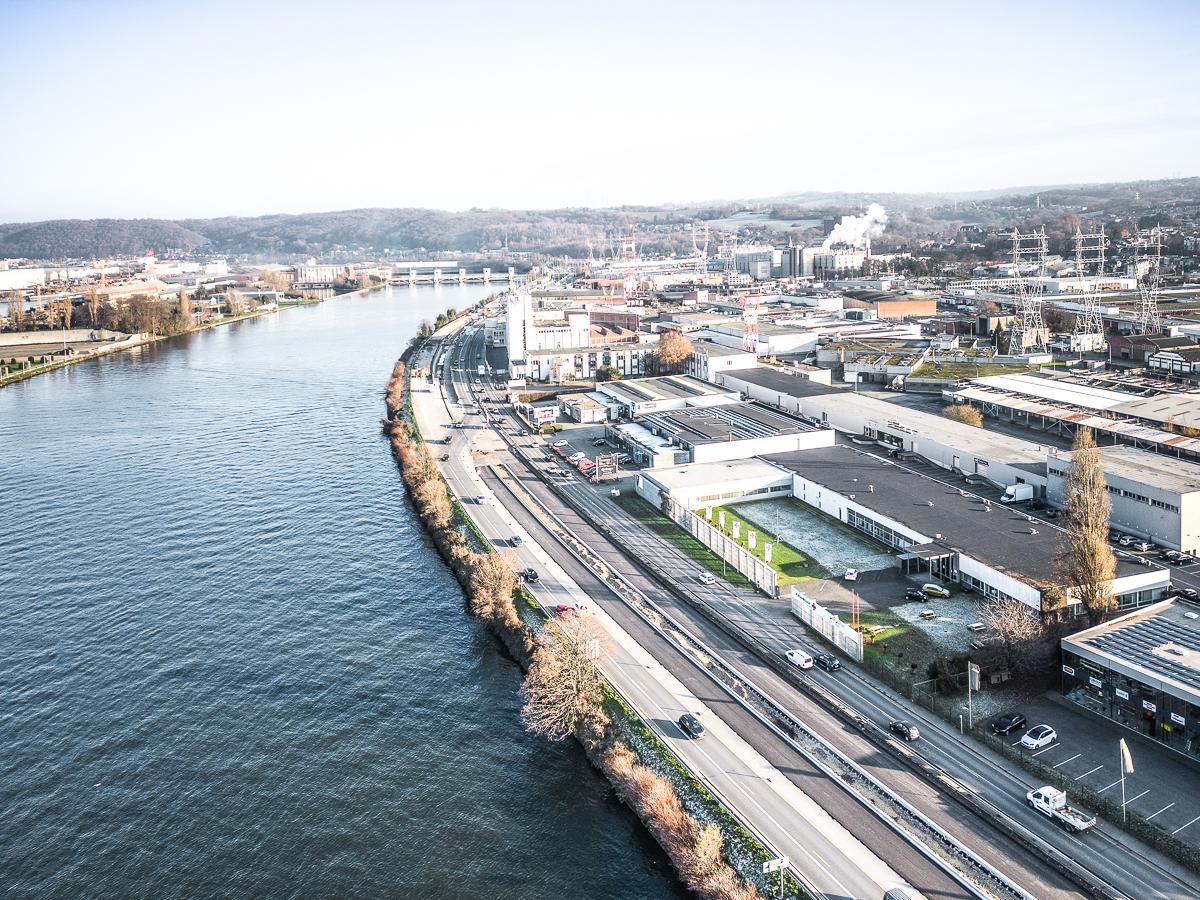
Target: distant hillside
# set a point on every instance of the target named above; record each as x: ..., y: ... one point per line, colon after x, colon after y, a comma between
x: 553, y: 231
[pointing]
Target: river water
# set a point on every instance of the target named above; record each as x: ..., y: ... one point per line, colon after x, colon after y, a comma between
x: 230, y: 664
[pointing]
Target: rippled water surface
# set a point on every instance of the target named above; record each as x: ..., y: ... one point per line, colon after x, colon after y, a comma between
x: 230, y: 666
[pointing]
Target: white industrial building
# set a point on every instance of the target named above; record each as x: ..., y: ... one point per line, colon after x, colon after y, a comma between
x: 709, y: 359
x: 733, y: 431
x: 639, y: 397
x: 1154, y: 497
x: 946, y: 533
x: 704, y: 484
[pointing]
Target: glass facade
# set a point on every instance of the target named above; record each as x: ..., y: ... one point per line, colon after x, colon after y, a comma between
x: 1144, y: 708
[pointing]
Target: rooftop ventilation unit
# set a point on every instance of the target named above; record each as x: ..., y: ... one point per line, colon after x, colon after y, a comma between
x: 870, y: 488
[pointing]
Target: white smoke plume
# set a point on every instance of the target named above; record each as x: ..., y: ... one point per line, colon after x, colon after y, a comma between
x: 856, y: 231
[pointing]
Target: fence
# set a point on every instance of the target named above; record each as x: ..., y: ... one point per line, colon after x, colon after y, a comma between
x: 759, y: 572
x: 826, y: 624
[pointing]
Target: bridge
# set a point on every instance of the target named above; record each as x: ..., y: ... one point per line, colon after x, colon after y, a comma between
x: 414, y: 276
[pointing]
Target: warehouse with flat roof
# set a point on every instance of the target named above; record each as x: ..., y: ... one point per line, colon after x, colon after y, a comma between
x: 640, y: 396
x: 1141, y: 670
x: 733, y: 431
x: 947, y: 533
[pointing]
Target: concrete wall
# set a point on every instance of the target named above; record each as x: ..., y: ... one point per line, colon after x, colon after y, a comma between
x: 71, y: 336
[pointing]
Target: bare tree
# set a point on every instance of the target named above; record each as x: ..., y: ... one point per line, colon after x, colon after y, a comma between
x: 1085, y: 561
x: 1022, y: 641
x: 563, y: 690
x: 673, y: 351
x: 963, y: 412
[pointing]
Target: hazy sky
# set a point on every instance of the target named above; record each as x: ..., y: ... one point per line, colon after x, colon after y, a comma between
x: 175, y: 109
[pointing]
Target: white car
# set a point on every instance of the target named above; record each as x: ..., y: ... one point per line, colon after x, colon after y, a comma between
x: 561, y: 443
x: 851, y: 575
x: 708, y: 578
x: 800, y: 658
x: 1039, y: 736
x: 576, y: 457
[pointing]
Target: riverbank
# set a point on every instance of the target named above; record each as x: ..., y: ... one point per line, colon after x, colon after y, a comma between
x: 141, y: 340
x: 615, y: 741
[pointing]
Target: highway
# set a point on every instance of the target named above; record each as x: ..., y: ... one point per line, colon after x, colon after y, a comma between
x: 827, y: 855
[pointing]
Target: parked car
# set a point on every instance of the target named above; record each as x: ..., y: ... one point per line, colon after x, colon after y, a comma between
x: 799, y: 658
x: 1008, y: 723
x: 827, y: 661
x: 1168, y: 555
x: 905, y: 730
x: 1125, y: 540
x: 562, y: 443
x: 1039, y: 736
x: 851, y: 575
x: 934, y: 590
x: 691, y: 726
x: 1142, y: 546
x: 1189, y: 592
x: 708, y: 578
x: 576, y: 457
x: 912, y: 595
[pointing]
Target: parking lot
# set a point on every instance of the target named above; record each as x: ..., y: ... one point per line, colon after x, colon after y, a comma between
x: 1164, y: 788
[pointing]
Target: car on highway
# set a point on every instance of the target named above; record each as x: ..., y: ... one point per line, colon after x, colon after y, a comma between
x: 934, y: 590
x: 1039, y: 736
x: 851, y: 575
x: 531, y: 575
x: 827, y: 661
x: 445, y: 457
x: 517, y: 540
x: 562, y: 443
x: 799, y: 658
x: 690, y: 726
x: 912, y: 595
x: 1008, y: 723
x: 480, y: 499
x: 708, y: 578
x: 905, y: 730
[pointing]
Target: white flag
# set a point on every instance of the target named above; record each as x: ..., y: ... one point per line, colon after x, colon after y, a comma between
x: 1126, y: 759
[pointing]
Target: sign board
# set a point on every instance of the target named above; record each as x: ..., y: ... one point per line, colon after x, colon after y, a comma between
x: 606, y: 464
x: 774, y: 865
x: 1124, y: 695
x: 1095, y: 682
x: 1068, y: 669
x: 1148, y: 706
x: 973, y: 676
x: 1177, y: 718
x: 544, y: 415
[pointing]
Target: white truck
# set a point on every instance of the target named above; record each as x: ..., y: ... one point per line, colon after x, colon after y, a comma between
x: 1015, y: 493
x: 1052, y: 803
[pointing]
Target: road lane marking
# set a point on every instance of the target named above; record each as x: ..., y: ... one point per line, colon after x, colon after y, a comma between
x: 1131, y: 799
x: 1164, y: 809
x: 1089, y: 772
x: 1044, y: 749
x: 1181, y: 827
x: 1106, y: 787
x: 1065, y: 761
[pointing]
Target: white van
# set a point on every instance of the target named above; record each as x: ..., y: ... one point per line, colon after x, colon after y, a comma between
x: 799, y: 658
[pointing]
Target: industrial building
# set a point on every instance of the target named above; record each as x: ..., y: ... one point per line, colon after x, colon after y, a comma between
x: 1154, y: 497
x: 946, y: 533
x: 996, y: 458
x: 1141, y: 670
x: 704, y: 484
x: 709, y: 359
x: 638, y: 397
x: 733, y: 431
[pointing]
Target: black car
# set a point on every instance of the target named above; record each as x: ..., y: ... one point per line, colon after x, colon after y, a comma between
x: 532, y: 576
x: 1190, y: 593
x: 912, y: 595
x: 906, y: 730
x: 691, y: 726
x: 1008, y: 723
x: 445, y: 457
x: 827, y: 661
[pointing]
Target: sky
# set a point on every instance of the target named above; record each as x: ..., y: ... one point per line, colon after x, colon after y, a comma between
x: 172, y: 109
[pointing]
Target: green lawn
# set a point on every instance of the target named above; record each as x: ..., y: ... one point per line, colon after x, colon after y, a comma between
x: 660, y: 524
x: 966, y: 369
x: 790, y: 565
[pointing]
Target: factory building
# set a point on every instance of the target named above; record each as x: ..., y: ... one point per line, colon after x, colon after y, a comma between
x: 945, y: 533
x: 643, y: 396
x: 1141, y: 670
x: 708, y: 484
x: 709, y: 359
x: 733, y: 431
x: 1153, y: 497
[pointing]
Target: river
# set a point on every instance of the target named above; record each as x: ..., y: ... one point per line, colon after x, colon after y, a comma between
x: 231, y: 664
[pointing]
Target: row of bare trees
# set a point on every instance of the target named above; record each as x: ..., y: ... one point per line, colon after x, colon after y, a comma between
x: 564, y: 693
